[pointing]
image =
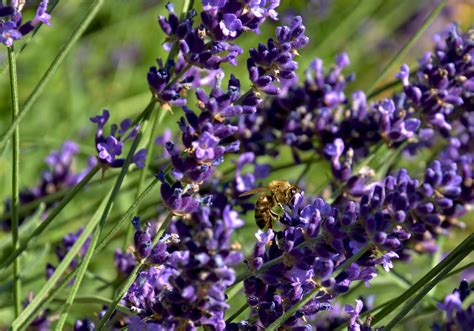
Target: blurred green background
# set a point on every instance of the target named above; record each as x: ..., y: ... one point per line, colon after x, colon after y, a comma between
x: 107, y: 69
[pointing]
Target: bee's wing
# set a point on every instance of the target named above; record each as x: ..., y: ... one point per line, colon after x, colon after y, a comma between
x: 254, y: 191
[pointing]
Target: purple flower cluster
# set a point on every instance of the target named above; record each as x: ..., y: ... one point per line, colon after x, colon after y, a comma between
x: 312, y: 245
x: 59, y: 175
x: 109, y: 148
x: 188, y: 270
x: 268, y: 64
x: 164, y: 91
x: 442, y: 91
x: 442, y: 88
x: 12, y: 26
x: 318, y: 116
x: 197, y: 47
x: 226, y: 20
x: 317, y: 238
x: 206, y: 138
x: 458, y: 318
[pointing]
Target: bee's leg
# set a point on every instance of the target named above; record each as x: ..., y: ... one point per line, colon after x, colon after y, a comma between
x: 280, y: 210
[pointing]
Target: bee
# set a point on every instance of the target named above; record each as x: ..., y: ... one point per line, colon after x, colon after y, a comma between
x: 277, y: 193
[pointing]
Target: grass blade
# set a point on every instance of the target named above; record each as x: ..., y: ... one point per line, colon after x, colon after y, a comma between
x: 157, y: 117
x: 15, y: 199
x: 61, y: 268
x: 38, y: 230
x: 424, y: 291
x: 91, y: 13
x: 103, y: 244
x: 98, y: 300
x: 466, y: 244
x: 401, y: 53
x: 98, y: 231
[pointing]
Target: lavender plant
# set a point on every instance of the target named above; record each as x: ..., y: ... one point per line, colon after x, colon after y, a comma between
x: 212, y: 137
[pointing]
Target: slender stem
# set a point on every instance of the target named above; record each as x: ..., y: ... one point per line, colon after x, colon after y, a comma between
x: 287, y: 314
x: 157, y: 117
x: 458, y: 270
x: 133, y: 275
x: 401, y: 53
x: 467, y: 243
x: 234, y: 290
x: 27, y: 106
x: 48, y: 299
x: 95, y: 238
x: 353, y: 258
x: 103, y: 244
x: 127, y: 216
x: 77, y: 281
x: 97, y: 299
x: 424, y: 291
x: 52, y: 215
x: 382, y: 305
x: 61, y: 268
x: 237, y: 313
x: 15, y: 200
x: 383, y: 88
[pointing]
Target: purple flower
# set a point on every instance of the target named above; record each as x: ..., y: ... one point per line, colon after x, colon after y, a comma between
x: 451, y: 304
x: 204, y: 147
x: 354, y: 313
x: 230, y: 25
x: 12, y: 29
x: 110, y: 148
x: 9, y: 33
x: 386, y: 260
x: 41, y: 15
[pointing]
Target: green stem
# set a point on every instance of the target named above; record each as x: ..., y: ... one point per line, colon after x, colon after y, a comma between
x: 47, y: 300
x: 103, y: 244
x: 424, y: 291
x: 401, y: 53
x: 95, y: 239
x: 382, y: 305
x: 306, y: 169
x: 127, y: 216
x: 133, y: 275
x: 237, y: 313
x: 353, y: 258
x: 27, y: 106
x: 15, y: 199
x: 157, y: 118
x: 282, y: 319
x: 466, y: 244
x: 61, y: 268
x: 52, y: 215
x: 458, y: 270
x: 98, y: 300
